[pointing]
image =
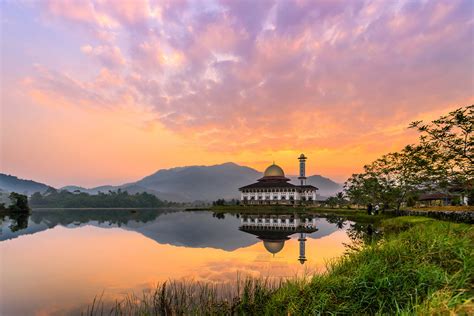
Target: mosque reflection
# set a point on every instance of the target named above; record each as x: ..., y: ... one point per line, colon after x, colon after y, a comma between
x: 274, y: 230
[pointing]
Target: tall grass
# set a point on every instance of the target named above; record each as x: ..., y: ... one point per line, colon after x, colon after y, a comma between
x: 245, y: 296
x: 422, y: 266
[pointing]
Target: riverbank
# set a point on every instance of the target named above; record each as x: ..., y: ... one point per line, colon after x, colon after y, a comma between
x: 422, y: 266
x: 357, y: 215
x: 456, y: 214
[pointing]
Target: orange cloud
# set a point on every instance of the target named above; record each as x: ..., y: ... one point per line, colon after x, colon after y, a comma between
x: 246, y: 82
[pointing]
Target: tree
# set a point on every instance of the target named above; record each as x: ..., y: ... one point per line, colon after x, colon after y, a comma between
x: 332, y: 201
x: 448, y: 142
x: 442, y: 160
x: 19, y: 202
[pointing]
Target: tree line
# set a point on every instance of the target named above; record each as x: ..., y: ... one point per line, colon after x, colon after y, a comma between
x: 441, y: 161
x: 64, y: 199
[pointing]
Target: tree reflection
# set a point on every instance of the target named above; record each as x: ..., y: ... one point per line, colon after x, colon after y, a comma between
x: 19, y: 221
x: 51, y: 218
x: 109, y: 217
x: 218, y: 215
x: 362, y: 234
x: 338, y: 220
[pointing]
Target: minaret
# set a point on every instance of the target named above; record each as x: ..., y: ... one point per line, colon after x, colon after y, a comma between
x: 302, y: 241
x: 302, y: 176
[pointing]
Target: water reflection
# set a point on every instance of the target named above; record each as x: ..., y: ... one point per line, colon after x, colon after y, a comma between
x: 191, y: 229
x: 274, y: 230
x: 77, y: 254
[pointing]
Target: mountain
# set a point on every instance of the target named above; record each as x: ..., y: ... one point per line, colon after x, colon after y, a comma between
x: 13, y: 184
x: 326, y: 186
x: 201, y: 182
x: 182, y: 184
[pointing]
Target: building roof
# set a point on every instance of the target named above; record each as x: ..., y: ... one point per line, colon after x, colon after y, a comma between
x: 274, y: 171
x: 434, y: 196
x: 276, y: 184
x: 308, y: 186
x: 269, y: 184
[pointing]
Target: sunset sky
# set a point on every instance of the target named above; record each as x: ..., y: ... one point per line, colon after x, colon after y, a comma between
x: 106, y: 92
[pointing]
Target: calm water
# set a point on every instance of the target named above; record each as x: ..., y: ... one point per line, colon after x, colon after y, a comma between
x: 55, y: 262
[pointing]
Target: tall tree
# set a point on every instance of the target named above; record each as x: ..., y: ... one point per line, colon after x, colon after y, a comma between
x: 443, y: 160
x: 449, y: 144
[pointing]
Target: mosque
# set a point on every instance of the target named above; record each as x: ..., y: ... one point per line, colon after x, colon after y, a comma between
x: 274, y: 188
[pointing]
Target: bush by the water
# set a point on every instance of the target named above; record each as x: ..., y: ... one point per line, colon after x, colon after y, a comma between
x: 65, y: 199
x: 18, y: 203
x: 422, y: 266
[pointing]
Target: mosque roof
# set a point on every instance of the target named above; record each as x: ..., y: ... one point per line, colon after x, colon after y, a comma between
x: 274, y: 171
x: 269, y: 184
x: 276, y: 184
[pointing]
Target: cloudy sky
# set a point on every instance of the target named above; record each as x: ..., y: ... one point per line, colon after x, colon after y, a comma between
x: 103, y: 92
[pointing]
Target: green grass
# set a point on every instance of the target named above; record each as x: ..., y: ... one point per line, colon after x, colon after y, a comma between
x: 426, y: 268
x: 421, y: 266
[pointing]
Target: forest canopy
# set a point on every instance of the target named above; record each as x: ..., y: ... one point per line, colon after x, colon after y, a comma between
x: 65, y: 199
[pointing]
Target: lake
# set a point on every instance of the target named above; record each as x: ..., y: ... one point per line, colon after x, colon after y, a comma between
x: 54, y: 262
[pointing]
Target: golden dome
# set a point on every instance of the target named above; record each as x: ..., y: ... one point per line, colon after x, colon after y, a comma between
x: 274, y: 171
x: 273, y: 246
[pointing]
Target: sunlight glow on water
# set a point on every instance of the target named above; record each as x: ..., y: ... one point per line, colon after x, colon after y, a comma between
x: 60, y: 269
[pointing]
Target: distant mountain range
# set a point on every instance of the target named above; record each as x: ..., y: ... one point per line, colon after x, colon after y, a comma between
x: 13, y: 184
x: 182, y: 184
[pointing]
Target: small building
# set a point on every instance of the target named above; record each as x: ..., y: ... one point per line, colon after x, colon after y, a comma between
x: 435, y: 199
x: 275, y: 189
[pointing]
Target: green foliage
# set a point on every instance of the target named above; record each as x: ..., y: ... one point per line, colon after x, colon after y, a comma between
x: 441, y: 161
x: 218, y: 202
x: 336, y: 201
x: 449, y: 141
x: 19, y: 203
x: 222, y: 202
x: 65, y: 199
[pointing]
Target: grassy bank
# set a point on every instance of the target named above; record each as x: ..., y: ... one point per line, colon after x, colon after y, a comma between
x: 422, y: 266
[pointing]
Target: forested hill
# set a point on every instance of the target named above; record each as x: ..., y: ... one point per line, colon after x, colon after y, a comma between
x: 13, y: 184
x: 64, y: 199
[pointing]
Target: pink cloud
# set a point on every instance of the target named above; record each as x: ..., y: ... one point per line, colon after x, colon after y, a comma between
x: 275, y: 74
x: 110, y: 56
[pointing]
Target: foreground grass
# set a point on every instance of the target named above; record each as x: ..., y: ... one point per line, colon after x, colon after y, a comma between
x: 422, y: 266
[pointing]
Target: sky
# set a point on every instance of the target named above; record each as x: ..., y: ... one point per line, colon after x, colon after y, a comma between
x: 109, y: 91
